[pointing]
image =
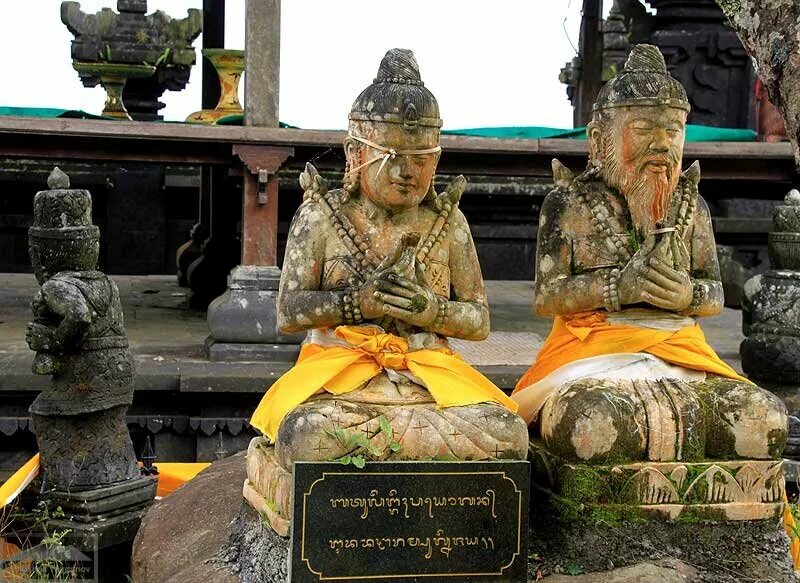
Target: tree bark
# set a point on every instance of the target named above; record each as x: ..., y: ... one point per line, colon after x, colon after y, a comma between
x: 770, y: 33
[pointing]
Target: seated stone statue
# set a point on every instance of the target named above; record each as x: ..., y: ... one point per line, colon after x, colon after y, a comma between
x: 380, y: 273
x: 625, y: 262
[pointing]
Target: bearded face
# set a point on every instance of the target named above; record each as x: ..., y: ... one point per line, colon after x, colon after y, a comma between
x: 640, y: 149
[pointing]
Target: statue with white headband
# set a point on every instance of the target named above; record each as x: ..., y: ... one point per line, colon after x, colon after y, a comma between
x: 380, y: 273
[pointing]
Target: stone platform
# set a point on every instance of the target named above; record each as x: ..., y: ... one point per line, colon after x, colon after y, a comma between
x: 226, y: 541
x: 196, y: 409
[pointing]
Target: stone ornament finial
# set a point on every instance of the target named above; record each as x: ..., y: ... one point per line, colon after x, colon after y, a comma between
x: 397, y: 94
x: 58, y: 179
x: 643, y: 81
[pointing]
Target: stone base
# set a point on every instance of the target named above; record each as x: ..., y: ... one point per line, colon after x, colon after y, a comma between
x: 735, y: 490
x: 97, y: 518
x: 722, y: 517
x: 268, y: 488
x: 237, y: 351
x: 719, y: 552
x: 247, y: 313
x: 102, y: 503
x: 770, y: 357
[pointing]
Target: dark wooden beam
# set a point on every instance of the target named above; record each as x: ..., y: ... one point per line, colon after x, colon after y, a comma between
x: 590, y: 49
x: 213, y: 38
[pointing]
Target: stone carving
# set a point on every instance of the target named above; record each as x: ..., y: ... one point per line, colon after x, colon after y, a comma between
x: 771, y: 305
x: 133, y: 37
x: 79, y: 339
x: 720, y: 490
x: 382, y: 270
x: 626, y: 261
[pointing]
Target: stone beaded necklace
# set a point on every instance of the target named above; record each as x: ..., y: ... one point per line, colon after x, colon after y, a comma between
x: 357, y: 243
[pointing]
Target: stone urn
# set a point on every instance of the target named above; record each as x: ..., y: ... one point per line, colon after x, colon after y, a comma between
x: 113, y: 77
x: 229, y: 65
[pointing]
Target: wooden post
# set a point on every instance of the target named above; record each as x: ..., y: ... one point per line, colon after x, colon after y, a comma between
x: 213, y: 38
x: 262, y: 62
x: 590, y: 49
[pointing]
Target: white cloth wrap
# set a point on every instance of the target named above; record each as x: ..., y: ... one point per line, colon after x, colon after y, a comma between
x: 621, y: 366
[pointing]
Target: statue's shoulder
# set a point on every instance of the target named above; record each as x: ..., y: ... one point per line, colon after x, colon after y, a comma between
x: 566, y: 189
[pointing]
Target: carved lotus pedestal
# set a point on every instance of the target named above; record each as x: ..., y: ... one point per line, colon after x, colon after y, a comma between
x: 325, y: 428
x: 723, y: 516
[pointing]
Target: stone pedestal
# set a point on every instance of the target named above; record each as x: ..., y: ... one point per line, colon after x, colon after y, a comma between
x: 721, y: 516
x: 243, y: 320
x: 771, y: 304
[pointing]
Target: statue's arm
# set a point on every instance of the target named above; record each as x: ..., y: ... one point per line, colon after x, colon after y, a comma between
x: 301, y: 303
x: 468, y: 308
x: 557, y: 290
x: 67, y: 301
x: 707, y: 298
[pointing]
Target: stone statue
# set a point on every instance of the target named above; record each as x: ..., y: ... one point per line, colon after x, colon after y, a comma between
x: 625, y: 263
x: 380, y: 273
x: 79, y: 339
x: 771, y: 303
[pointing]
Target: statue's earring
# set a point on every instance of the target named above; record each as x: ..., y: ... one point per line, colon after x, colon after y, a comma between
x: 350, y: 181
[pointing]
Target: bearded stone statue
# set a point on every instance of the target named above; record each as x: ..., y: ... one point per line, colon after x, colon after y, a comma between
x: 626, y: 262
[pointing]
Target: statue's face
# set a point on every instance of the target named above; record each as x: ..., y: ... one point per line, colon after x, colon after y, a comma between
x: 641, y: 151
x: 404, y: 180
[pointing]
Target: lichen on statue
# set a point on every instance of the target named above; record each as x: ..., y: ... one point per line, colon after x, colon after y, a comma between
x: 79, y: 338
x: 626, y: 261
x: 380, y: 273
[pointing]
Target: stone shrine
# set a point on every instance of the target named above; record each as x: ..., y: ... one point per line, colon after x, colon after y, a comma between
x: 133, y: 37
x: 633, y: 415
x: 771, y: 304
x: 380, y: 273
x: 87, y: 458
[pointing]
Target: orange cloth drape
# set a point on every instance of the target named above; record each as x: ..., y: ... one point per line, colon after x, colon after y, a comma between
x: 171, y: 475
x: 588, y: 334
x: 340, y: 369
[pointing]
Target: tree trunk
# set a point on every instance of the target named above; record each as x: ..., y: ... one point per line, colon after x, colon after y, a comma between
x: 770, y: 33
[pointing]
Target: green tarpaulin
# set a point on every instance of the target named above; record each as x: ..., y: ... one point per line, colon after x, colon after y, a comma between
x: 694, y: 133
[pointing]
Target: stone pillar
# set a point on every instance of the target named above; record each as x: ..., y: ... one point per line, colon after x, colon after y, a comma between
x: 243, y: 321
x: 771, y: 306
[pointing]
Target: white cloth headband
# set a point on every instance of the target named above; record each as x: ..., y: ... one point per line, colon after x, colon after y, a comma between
x: 388, y: 153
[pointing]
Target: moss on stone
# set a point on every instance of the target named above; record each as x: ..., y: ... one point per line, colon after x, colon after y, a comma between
x: 776, y: 441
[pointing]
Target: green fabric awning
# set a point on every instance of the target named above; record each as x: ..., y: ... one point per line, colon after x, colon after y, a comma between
x: 694, y: 133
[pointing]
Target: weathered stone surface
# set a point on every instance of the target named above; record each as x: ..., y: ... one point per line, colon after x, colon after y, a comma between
x: 131, y: 37
x: 629, y: 245
x: 384, y: 267
x: 79, y: 338
x: 182, y: 535
x: 666, y: 571
x: 719, y: 552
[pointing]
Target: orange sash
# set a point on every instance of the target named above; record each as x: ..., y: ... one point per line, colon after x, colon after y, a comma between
x: 341, y: 369
x: 588, y: 334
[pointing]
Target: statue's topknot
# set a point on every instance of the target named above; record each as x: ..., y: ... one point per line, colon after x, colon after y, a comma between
x: 643, y: 81
x: 397, y: 95
x: 646, y: 58
x: 399, y: 66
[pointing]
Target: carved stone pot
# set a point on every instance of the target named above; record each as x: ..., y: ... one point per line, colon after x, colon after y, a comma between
x: 771, y: 312
x: 229, y: 65
x: 113, y: 77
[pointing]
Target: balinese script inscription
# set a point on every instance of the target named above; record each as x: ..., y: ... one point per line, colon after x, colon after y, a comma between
x: 409, y: 521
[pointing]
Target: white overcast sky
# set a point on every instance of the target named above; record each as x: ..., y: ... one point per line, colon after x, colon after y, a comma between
x: 489, y: 62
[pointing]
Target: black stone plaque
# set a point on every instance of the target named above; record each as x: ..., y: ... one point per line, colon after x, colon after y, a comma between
x: 410, y: 521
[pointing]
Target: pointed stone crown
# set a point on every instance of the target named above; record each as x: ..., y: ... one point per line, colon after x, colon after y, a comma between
x: 644, y: 80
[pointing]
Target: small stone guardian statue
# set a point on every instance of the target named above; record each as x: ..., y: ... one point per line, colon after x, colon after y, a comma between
x: 79, y: 339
